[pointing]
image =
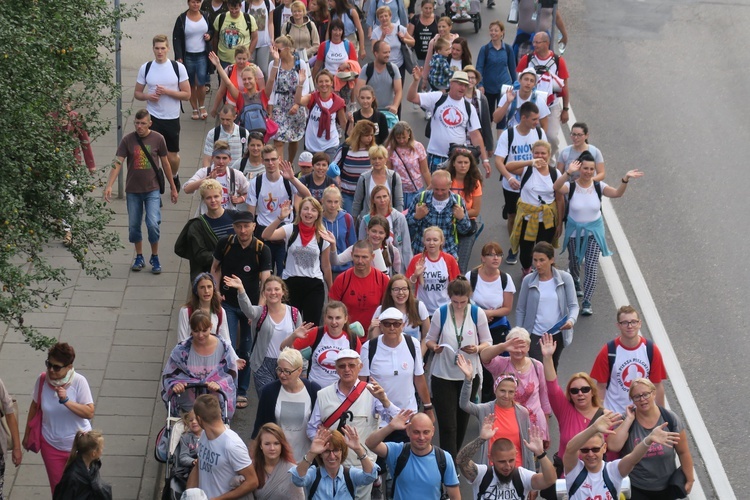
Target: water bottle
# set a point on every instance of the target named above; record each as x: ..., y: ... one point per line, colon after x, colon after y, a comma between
x: 560, y: 45
x: 513, y: 14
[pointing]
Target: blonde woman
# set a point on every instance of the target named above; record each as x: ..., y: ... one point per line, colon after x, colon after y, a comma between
x: 378, y: 175
x: 302, y: 31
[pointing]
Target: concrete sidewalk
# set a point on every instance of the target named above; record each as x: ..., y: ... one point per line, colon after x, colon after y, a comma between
x: 122, y: 329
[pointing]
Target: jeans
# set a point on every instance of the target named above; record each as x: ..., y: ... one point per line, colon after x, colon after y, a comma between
x: 278, y: 257
x: 347, y: 200
x: 237, y: 323
x: 409, y: 198
x: 434, y: 161
x: 196, y: 64
x: 136, y: 203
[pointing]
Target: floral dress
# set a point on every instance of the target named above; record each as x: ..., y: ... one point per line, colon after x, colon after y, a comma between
x: 291, y: 127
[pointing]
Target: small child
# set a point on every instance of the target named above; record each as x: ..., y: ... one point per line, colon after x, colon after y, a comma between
x: 305, y: 164
x: 440, y: 68
x: 319, y: 179
x: 187, y: 450
x: 461, y: 8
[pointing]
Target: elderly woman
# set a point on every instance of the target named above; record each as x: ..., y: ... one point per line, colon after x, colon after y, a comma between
x: 652, y: 478
x: 392, y: 33
x: 531, y: 391
x: 201, y: 359
x: 329, y: 449
x: 64, y: 399
x: 511, y: 419
x: 288, y: 403
x: 272, y: 459
x: 378, y: 175
x: 381, y: 204
x: 8, y: 410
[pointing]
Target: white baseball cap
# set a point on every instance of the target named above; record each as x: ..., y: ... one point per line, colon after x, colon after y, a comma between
x: 347, y: 354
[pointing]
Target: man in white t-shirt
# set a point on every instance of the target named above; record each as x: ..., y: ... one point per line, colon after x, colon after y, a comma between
x: 525, y: 134
x: 505, y: 480
x: 510, y: 103
x: 266, y: 194
x: 450, y: 123
x: 587, y: 475
x: 222, y: 454
x: 163, y: 84
x: 234, y: 185
x: 236, y: 136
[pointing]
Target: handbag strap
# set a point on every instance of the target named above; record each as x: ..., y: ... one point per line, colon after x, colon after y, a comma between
x: 395, y: 150
x: 147, y: 152
x: 42, y: 381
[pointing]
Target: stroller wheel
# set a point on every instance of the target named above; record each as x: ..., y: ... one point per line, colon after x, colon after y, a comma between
x: 477, y: 24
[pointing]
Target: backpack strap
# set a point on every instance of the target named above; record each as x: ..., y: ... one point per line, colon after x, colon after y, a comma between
x: 372, y: 347
x: 515, y: 477
x: 347, y: 476
x: 511, y: 136
x: 249, y: 22
x: 669, y: 419
x: 443, y: 316
x: 314, y: 485
x: 230, y: 242
x: 473, y: 278
x: 217, y: 131
x: 611, y: 355
x: 403, y: 457
x: 243, y: 163
x: 486, y: 481
x: 258, y: 184
x: 474, y: 316
x: 368, y: 72
x: 580, y: 478
x: 608, y: 481
x: 261, y: 319
x: 243, y: 135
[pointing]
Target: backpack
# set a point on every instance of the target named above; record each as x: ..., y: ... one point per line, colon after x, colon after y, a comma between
x: 555, y: 61
x: 176, y: 69
x: 258, y: 247
x: 264, y: 314
x: 319, y: 336
x: 243, y: 135
x: 347, y: 479
x: 612, y: 354
x: 370, y: 70
x: 373, y: 347
x: 349, y: 272
x: 444, y: 316
x: 403, y: 458
x: 474, y: 275
x: 581, y: 477
x: 295, y: 233
x: 515, y: 477
x: 248, y: 22
x: 346, y: 49
x: 230, y: 170
x: 511, y: 136
x: 219, y: 315
x: 259, y: 183
x: 443, y: 98
x: 253, y: 116
x: 572, y: 189
x: 458, y: 201
x: 288, y: 28
x: 527, y: 176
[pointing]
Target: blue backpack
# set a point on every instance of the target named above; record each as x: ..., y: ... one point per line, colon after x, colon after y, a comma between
x: 253, y: 116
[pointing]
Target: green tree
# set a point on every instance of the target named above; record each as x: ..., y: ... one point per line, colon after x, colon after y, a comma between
x: 54, y: 57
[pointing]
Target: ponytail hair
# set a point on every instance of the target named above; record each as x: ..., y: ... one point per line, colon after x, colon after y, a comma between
x: 84, y: 443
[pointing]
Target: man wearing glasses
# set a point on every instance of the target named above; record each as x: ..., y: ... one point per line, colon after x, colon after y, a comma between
x: 625, y: 359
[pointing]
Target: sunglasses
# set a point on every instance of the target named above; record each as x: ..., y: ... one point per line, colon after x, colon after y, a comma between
x: 576, y: 390
x: 53, y: 367
x: 390, y: 324
x: 586, y: 451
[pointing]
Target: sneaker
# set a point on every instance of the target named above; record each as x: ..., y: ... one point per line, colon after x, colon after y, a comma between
x: 155, y: 264
x: 138, y: 263
x: 579, y: 290
x: 177, y: 182
x: 490, y: 4
x: 513, y: 13
x: 586, y: 309
x: 512, y: 258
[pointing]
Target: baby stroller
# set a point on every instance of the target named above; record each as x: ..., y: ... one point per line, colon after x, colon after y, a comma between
x: 169, y: 437
x: 475, y: 15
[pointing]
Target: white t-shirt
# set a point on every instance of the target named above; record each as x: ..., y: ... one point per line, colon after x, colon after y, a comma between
x: 194, y: 31
x: 548, y: 312
x: 312, y: 141
x: 219, y: 460
x: 434, y: 289
x: 489, y: 294
x: 183, y: 326
x: 456, y: 64
x: 449, y: 122
x: 593, y: 486
x: 166, y: 108
x: 497, y: 490
x: 286, y: 15
x: 440, y: 205
x: 272, y: 195
x: 538, y: 186
x: 241, y: 185
x: 414, y: 331
x: 585, y: 206
x: 520, y: 150
x: 59, y: 424
x: 336, y: 55
x: 303, y: 261
x: 540, y: 101
x: 292, y: 413
x: 262, y: 19
x: 394, y: 369
x: 323, y: 359
x: 281, y: 331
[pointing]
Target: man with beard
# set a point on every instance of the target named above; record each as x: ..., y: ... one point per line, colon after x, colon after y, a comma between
x: 504, y: 479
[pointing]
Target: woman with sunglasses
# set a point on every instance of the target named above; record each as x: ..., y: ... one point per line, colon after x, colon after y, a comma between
x: 64, y: 398
x: 288, y: 402
x: 511, y: 419
x: 652, y: 477
x: 575, y: 408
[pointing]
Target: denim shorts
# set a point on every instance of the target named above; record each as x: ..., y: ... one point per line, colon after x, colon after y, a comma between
x: 196, y: 64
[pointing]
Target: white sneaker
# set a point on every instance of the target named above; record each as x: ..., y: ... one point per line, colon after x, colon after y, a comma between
x: 513, y: 14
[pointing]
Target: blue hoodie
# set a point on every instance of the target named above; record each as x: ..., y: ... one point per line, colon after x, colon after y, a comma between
x: 346, y: 235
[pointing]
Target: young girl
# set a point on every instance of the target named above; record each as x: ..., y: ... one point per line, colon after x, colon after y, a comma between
x: 81, y: 477
x: 432, y: 270
x: 318, y: 180
x: 467, y: 183
x: 339, y: 223
x: 205, y: 296
x: 187, y: 454
x: 408, y: 159
x: 380, y: 204
x: 368, y: 110
x: 234, y: 75
x: 353, y: 159
x: 378, y: 175
x: 387, y: 257
x: 249, y: 94
x: 400, y: 295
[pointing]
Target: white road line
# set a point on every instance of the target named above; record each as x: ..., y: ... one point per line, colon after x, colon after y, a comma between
x: 651, y: 315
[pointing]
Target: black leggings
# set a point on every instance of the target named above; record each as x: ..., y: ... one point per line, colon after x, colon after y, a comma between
x: 307, y: 295
x: 527, y: 247
x: 452, y: 420
x: 639, y: 494
x: 535, y: 350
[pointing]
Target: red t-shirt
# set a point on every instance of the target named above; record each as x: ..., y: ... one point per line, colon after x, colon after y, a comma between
x: 360, y: 295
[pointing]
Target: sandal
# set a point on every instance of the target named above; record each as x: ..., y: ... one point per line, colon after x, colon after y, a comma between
x: 204, y: 115
x: 196, y: 115
x: 242, y: 402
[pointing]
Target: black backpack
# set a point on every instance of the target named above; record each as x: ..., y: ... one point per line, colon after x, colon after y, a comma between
x: 259, y: 183
x: 612, y: 354
x: 176, y: 69
x: 223, y: 17
x: 511, y: 136
x: 288, y: 28
x: 347, y: 479
x: 572, y: 190
x: 370, y: 70
x: 243, y: 135
x: 318, y: 337
x: 404, y: 457
x: 474, y: 275
x: 443, y: 98
x: 527, y: 175
x: 231, y: 173
x: 515, y: 477
x: 581, y: 477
